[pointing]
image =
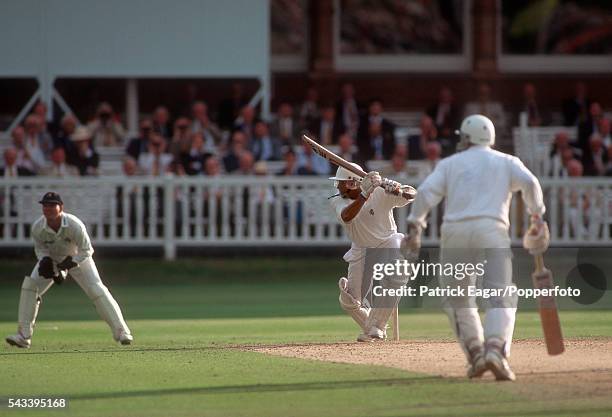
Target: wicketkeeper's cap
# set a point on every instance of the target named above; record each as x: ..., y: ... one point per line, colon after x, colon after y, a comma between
x: 51, y: 198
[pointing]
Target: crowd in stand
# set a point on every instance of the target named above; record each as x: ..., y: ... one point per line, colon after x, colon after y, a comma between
x: 238, y: 142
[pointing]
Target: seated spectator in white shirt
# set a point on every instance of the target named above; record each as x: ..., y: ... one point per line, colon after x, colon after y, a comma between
x: 59, y: 168
x: 156, y: 161
x: 202, y: 124
x: 10, y: 168
x: 309, y: 163
x: 24, y: 159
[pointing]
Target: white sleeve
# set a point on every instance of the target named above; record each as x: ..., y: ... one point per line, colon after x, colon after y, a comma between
x: 430, y: 193
x: 523, y: 180
x: 84, y: 248
x: 338, y: 204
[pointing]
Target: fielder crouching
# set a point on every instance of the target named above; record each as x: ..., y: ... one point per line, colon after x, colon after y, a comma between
x: 365, y: 208
x: 63, y: 247
x: 478, y: 184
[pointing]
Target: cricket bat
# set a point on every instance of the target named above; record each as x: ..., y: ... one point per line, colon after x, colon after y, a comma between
x: 409, y: 194
x: 542, y: 278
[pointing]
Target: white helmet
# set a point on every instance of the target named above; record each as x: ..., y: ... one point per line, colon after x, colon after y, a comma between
x: 343, y: 174
x: 476, y: 129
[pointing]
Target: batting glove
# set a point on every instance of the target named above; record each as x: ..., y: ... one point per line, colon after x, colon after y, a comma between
x: 390, y: 186
x: 410, y: 246
x: 369, y: 183
x: 537, y: 238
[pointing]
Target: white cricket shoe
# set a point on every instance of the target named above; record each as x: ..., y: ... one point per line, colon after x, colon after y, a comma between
x: 497, y: 363
x: 19, y: 341
x: 373, y: 335
x: 478, y: 366
x: 125, y: 338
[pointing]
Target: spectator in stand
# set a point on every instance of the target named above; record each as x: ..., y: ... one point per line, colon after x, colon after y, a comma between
x: 596, y: 159
x: 59, y: 168
x: 161, y: 122
x: 140, y: 144
x: 246, y: 161
x: 285, y: 128
x: 264, y: 147
x: 417, y: 144
x: 156, y: 161
x: 376, y: 136
x: 433, y: 152
x: 229, y: 109
x: 486, y: 106
x: 590, y: 126
x: 609, y: 164
x: 246, y: 122
x: 181, y: 139
x: 84, y: 158
x: 530, y: 106
x: 309, y: 110
x: 604, y: 131
x: 212, y: 167
x: 24, y: 159
x: 290, y: 167
x: 397, y: 167
x: 202, y: 123
x: 347, y: 110
x: 445, y: 113
x: 130, y: 167
x: 194, y: 159
x: 562, y: 150
x: 48, y: 129
x: 35, y: 143
x: 310, y: 163
x: 327, y: 129
x: 346, y: 149
x: 105, y: 129
x: 238, y: 145
x: 10, y: 168
x: 576, y: 108
x: 64, y: 135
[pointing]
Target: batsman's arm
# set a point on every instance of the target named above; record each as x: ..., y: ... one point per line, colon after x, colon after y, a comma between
x: 352, y: 210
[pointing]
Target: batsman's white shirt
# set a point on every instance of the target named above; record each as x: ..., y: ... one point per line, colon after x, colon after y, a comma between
x: 477, y: 183
x: 70, y: 240
x: 374, y: 224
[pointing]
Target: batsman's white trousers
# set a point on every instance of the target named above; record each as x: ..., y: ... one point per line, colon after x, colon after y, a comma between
x: 475, y: 241
x: 356, y: 264
x: 88, y: 278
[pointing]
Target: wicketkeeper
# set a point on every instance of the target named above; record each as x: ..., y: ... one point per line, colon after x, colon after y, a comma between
x: 365, y: 209
x: 63, y: 248
x: 478, y: 184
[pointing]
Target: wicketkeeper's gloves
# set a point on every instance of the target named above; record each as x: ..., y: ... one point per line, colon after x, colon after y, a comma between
x: 66, y: 264
x: 45, y: 268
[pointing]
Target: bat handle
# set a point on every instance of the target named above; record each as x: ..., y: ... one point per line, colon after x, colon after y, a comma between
x: 539, y: 263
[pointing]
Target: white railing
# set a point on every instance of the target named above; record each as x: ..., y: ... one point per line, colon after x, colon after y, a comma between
x: 172, y: 212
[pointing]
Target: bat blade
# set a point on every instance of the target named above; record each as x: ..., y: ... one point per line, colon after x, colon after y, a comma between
x: 547, y: 305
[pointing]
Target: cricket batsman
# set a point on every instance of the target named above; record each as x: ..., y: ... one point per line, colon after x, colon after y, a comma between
x: 62, y: 246
x: 478, y: 184
x: 365, y: 208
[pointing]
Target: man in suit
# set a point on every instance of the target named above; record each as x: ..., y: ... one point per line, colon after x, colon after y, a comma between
x: 376, y: 137
x: 11, y: 169
x: 285, y: 128
x: 445, y: 113
x: 327, y: 128
x: 347, y: 110
x: 264, y: 146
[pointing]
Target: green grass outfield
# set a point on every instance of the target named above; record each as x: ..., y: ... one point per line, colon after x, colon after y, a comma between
x: 187, y: 315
